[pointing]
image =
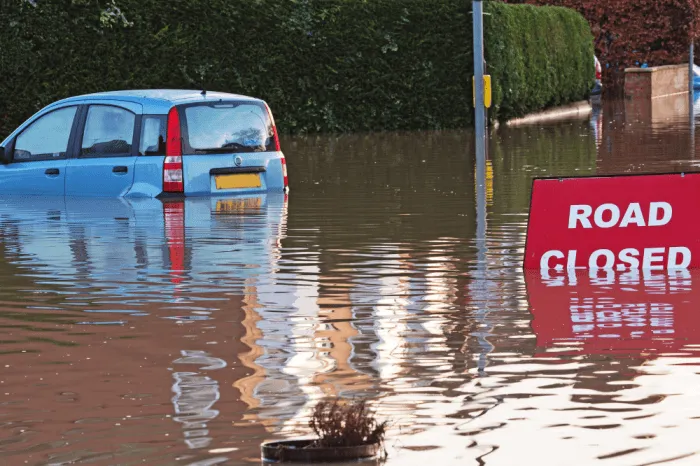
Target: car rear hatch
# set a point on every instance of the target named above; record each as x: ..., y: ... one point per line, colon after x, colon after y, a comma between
x: 228, y: 147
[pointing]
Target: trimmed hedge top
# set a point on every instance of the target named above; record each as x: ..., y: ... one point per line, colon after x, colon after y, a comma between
x: 322, y: 65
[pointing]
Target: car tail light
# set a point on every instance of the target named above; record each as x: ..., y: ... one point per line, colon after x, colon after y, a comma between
x: 274, y: 129
x: 284, y: 172
x: 172, y: 168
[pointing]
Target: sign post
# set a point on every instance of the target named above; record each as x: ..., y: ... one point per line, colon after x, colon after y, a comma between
x: 691, y: 71
x: 479, y: 114
x: 480, y: 277
x: 691, y: 96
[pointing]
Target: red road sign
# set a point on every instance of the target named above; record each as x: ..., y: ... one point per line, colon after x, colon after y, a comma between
x: 649, y: 222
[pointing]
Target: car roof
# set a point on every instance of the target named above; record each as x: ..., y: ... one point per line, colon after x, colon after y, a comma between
x: 157, y: 100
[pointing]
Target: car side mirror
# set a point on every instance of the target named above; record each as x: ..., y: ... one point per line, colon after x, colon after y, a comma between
x: 5, y: 155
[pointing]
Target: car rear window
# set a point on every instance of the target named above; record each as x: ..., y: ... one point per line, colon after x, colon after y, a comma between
x: 227, y: 127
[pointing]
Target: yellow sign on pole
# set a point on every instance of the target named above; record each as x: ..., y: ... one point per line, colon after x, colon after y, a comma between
x: 487, y: 91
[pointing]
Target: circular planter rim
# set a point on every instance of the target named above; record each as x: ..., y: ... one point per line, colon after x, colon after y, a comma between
x: 294, y: 451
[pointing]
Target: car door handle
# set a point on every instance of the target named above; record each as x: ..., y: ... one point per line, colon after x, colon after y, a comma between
x: 120, y: 169
x: 52, y: 171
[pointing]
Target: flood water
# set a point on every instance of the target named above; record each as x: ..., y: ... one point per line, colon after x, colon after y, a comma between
x: 188, y: 333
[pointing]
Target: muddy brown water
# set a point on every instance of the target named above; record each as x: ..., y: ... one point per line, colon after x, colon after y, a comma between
x: 132, y: 332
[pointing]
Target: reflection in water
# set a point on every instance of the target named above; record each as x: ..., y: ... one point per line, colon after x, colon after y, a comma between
x: 195, y: 394
x: 127, y: 326
x: 604, y: 312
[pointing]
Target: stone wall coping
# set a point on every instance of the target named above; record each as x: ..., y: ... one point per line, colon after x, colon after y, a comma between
x: 653, y: 69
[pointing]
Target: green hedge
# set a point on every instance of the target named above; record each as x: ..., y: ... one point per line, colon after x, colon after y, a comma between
x: 538, y: 57
x: 323, y: 65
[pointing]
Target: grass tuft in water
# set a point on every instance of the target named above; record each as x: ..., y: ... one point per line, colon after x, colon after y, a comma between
x: 346, y: 424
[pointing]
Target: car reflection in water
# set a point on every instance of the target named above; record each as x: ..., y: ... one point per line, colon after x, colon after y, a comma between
x: 607, y: 313
x: 95, y: 239
x: 178, y: 260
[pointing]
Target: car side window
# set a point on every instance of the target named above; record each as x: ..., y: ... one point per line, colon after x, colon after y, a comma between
x: 46, y: 138
x: 109, y: 131
x: 152, y: 135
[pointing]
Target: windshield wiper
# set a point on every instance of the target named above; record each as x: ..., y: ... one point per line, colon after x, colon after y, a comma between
x: 234, y: 145
x: 227, y: 148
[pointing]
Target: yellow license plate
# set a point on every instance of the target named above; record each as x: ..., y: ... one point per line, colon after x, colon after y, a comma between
x: 237, y: 181
x: 233, y: 206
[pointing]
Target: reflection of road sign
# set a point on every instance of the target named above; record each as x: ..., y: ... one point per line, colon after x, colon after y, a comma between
x: 620, y: 222
x: 633, y: 312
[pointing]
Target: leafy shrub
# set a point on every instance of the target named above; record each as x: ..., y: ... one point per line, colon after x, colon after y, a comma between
x: 629, y: 33
x: 349, y: 424
x: 322, y: 65
x: 538, y: 57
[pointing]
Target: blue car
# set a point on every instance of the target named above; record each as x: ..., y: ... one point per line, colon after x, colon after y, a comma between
x: 696, y: 77
x: 146, y: 143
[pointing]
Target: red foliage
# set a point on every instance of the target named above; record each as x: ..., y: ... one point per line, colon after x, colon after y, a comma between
x: 629, y: 33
